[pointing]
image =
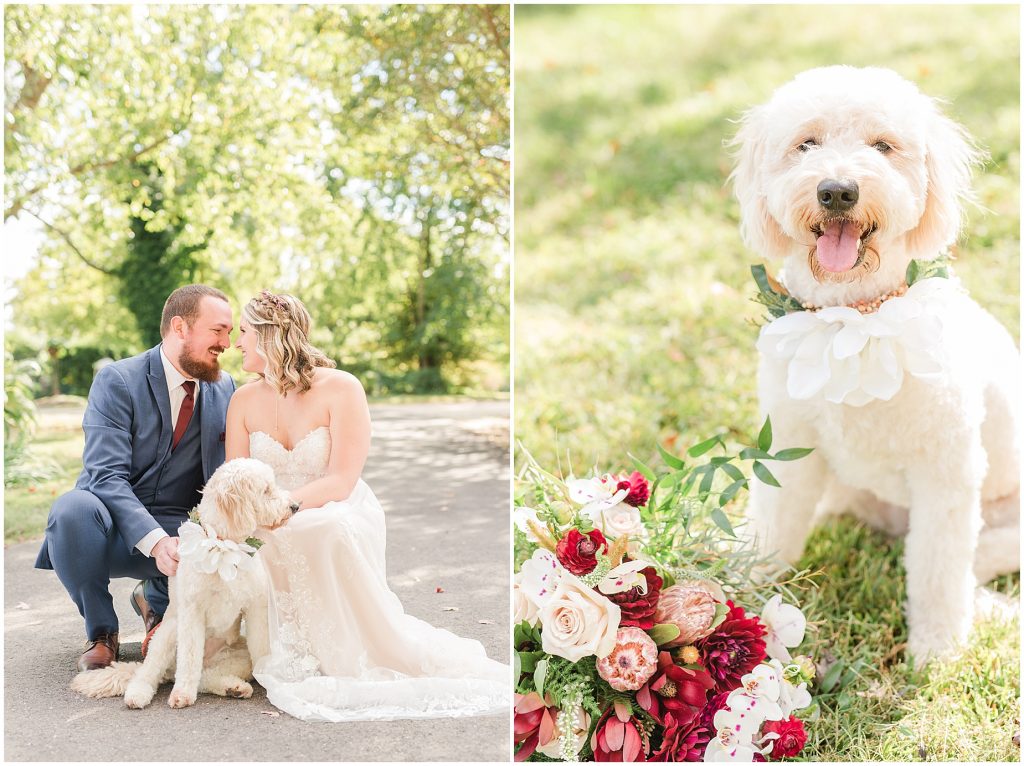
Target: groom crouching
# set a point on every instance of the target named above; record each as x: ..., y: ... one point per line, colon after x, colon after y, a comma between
x: 154, y: 432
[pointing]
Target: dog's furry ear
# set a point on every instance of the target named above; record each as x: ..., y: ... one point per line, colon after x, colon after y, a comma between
x: 760, y: 232
x: 951, y: 158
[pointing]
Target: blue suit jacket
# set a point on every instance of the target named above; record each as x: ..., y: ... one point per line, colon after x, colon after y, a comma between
x: 128, y: 432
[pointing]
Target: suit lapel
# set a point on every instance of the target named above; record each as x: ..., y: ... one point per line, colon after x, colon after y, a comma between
x: 158, y: 385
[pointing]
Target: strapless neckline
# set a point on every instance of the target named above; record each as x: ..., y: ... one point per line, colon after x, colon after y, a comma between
x: 294, y: 446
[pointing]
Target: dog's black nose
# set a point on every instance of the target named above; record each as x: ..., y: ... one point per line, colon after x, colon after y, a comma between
x: 837, y: 195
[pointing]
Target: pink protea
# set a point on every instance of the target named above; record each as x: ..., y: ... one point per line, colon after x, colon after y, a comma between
x: 632, y: 662
x: 690, y: 606
x: 637, y: 489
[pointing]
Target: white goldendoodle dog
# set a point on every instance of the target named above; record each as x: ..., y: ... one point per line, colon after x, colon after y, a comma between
x: 216, y: 587
x: 909, y: 395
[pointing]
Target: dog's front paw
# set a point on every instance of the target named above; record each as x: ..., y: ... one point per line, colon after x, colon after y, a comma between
x: 239, y: 689
x: 138, y: 695
x: 180, y: 698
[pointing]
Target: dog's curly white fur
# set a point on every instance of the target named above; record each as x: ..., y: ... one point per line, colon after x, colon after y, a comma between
x: 199, y: 642
x: 938, y: 460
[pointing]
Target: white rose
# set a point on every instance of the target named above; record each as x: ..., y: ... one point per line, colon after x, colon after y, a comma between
x: 620, y: 519
x: 577, y: 621
x: 525, y: 609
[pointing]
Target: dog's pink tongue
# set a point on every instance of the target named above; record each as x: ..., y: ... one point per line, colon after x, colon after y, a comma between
x: 837, y: 246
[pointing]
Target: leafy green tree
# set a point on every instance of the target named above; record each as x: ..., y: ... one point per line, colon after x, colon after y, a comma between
x: 355, y: 156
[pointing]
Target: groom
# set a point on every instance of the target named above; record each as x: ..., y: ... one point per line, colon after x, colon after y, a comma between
x: 154, y: 432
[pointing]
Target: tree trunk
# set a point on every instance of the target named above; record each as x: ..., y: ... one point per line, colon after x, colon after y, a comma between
x: 424, y: 361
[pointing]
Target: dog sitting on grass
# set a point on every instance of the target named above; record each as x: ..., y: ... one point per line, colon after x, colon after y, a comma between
x: 908, y: 391
x: 218, y: 584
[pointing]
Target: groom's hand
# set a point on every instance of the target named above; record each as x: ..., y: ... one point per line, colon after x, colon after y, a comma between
x: 166, y: 554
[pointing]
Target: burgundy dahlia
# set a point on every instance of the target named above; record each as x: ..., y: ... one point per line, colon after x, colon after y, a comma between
x: 734, y: 648
x: 638, y: 608
x: 637, y: 489
x: 683, y: 740
x: 680, y: 691
x: 715, y: 703
x: 792, y: 737
x: 578, y: 552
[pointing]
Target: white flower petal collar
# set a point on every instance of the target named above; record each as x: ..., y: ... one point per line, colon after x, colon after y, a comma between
x: 848, y: 357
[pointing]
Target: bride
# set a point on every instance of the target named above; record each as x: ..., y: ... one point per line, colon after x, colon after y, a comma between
x: 342, y: 646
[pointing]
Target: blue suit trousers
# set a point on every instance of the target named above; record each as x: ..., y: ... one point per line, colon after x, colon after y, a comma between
x: 86, y: 551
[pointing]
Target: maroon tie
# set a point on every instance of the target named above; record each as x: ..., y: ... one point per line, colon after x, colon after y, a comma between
x: 185, y: 413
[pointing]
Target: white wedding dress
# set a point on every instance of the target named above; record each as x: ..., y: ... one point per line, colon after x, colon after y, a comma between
x: 342, y: 646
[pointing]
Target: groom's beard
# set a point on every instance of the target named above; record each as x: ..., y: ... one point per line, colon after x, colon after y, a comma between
x: 200, y: 368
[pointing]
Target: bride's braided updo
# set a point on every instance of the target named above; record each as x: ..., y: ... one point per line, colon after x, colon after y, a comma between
x: 281, y: 324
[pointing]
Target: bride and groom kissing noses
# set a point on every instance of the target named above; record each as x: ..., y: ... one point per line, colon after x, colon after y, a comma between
x: 157, y: 425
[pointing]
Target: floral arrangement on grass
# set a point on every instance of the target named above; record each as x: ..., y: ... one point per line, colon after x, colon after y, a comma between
x: 640, y: 632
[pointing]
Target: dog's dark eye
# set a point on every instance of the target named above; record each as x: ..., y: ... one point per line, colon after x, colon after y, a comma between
x: 806, y: 145
x: 882, y: 147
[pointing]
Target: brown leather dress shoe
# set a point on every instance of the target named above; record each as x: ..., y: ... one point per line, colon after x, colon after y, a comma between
x: 99, y: 652
x: 149, y: 618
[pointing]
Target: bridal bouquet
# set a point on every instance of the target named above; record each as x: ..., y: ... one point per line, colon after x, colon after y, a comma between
x: 640, y: 633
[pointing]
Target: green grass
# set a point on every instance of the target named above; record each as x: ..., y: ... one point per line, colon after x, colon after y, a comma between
x: 58, y: 442
x: 633, y: 319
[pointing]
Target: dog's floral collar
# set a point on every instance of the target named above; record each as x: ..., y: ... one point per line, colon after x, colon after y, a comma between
x: 212, y: 555
x: 848, y: 357
x: 773, y: 295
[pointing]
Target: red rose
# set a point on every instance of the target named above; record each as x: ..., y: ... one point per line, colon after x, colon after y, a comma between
x: 792, y: 737
x: 638, y: 608
x: 672, y: 689
x: 683, y: 740
x: 578, y: 552
x: 619, y: 737
x: 637, y: 490
x: 734, y: 648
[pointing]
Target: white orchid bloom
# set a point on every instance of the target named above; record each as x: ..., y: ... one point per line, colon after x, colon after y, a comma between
x: 540, y: 575
x: 734, y: 734
x: 521, y: 515
x: 623, y: 577
x: 791, y: 697
x: 718, y: 752
x: 763, y: 685
x: 785, y: 625
x: 585, y: 491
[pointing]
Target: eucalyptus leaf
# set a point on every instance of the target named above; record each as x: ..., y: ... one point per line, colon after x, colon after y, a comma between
x: 764, y: 439
x: 721, y: 612
x: 732, y: 471
x: 721, y: 521
x: 539, y: 674
x: 664, y: 632
x: 750, y: 453
x: 761, y: 472
x: 728, y: 494
x: 699, y: 449
x: 670, y: 460
x: 643, y: 468
x: 793, y: 453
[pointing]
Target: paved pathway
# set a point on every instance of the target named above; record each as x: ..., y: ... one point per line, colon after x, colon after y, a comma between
x: 442, y: 473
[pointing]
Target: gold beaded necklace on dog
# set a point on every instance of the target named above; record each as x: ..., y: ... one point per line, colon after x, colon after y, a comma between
x: 779, y: 302
x: 867, y: 306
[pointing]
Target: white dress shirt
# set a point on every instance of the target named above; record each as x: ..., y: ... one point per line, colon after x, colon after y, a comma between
x: 177, y: 395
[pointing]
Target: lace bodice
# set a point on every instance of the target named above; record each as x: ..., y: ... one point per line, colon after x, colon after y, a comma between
x: 294, y: 467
